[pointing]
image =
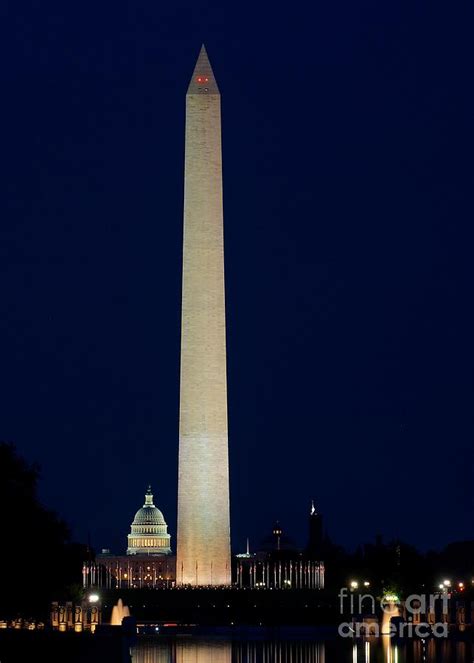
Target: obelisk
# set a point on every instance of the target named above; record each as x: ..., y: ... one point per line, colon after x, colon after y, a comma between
x: 203, y: 541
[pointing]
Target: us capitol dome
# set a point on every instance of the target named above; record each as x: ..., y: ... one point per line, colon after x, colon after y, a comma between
x: 149, y: 532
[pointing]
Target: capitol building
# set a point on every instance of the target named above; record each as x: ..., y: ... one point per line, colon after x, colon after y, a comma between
x: 148, y: 561
x: 149, y: 533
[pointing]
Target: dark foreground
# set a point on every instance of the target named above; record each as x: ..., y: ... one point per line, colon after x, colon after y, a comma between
x: 227, y: 606
x: 55, y: 647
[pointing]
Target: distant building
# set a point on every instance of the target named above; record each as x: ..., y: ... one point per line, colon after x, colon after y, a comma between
x: 278, y: 564
x: 148, y: 561
x: 149, y: 533
x: 315, y: 547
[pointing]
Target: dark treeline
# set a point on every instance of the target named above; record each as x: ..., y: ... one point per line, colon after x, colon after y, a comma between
x: 39, y: 561
x: 398, y: 566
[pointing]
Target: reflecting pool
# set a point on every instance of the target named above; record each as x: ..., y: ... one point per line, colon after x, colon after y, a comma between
x: 189, y: 649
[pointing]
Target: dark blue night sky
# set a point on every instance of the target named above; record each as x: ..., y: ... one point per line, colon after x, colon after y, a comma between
x: 348, y: 180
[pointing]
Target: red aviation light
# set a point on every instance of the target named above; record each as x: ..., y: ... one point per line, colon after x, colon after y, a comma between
x: 202, y: 79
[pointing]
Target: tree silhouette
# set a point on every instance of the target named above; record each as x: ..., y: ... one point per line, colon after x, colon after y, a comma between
x: 38, y: 561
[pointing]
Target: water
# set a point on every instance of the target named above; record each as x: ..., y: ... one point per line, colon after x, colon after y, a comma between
x: 381, y: 650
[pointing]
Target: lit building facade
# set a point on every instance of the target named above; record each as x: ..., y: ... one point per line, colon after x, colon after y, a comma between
x: 130, y: 572
x: 277, y: 571
x: 149, y: 531
x: 148, y: 562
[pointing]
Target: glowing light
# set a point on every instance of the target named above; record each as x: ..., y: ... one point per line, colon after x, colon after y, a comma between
x: 390, y: 598
x: 447, y: 583
x: 354, y: 584
x: 366, y: 583
x: 202, y: 79
x: 93, y: 598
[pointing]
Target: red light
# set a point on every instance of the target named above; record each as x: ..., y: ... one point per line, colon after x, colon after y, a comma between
x: 202, y: 79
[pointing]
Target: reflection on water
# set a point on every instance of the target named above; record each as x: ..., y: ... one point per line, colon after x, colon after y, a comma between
x: 280, y: 651
x: 381, y: 650
x: 214, y: 652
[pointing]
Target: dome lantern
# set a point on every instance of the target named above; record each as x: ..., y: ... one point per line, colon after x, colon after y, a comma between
x: 148, y: 497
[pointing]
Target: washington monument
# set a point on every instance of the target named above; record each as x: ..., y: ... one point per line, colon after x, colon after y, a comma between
x: 203, y: 546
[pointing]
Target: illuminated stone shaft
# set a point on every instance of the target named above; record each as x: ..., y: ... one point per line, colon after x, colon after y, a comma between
x: 203, y: 542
